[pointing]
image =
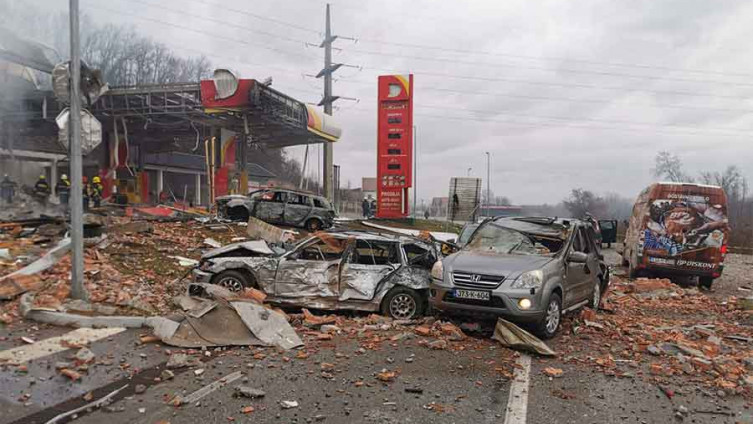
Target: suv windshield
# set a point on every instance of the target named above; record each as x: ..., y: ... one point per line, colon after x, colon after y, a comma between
x: 496, y: 238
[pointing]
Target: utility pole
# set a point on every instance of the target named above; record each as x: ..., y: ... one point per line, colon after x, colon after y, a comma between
x: 488, y: 183
x: 327, y: 103
x: 78, y: 291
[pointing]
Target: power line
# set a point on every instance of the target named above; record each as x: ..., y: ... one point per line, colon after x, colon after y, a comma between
x: 161, y: 22
x: 541, y: 68
x: 556, y: 125
x: 558, y: 59
x: 220, y: 21
x: 554, y: 84
x: 224, y: 6
x: 549, y: 98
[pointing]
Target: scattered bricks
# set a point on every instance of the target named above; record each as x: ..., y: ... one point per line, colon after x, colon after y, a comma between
x: 588, y: 314
x: 440, y: 344
x: 687, y: 368
x: 748, y: 362
x: 452, y: 331
x: 247, y: 409
x: 324, y: 336
x: 691, y: 351
x: 553, y: 372
x: 254, y: 294
x: 423, y: 330
x: 700, y: 363
x: 656, y: 369
x: 326, y: 366
x: 386, y: 376
x: 73, y: 375
x: 715, y: 340
x: 748, y: 380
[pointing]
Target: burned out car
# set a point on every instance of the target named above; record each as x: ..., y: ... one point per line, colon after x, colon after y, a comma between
x: 283, y: 207
x: 529, y: 270
x: 331, y: 270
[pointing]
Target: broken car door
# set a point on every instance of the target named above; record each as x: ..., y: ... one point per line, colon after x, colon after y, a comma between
x: 271, y: 207
x: 311, y: 270
x: 578, y: 273
x: 367, y: 264
x: 297, y: 208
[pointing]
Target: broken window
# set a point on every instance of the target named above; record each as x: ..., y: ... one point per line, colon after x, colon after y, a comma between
x: 298, y: 199
x: 419, y: 256
x: 275, y: 196
x: 320, y: 251
x: 321, y: 203
x: 370, y: 252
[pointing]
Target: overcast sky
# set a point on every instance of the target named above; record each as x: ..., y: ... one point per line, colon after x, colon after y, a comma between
x: 562, y: 94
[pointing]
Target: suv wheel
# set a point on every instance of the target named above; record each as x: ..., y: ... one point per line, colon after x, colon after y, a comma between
x: 403, y: 303
x: 232, y: 280
x: 313, y: 225
x: 550, y: 322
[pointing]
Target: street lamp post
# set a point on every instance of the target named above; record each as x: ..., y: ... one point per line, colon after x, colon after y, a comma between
x: 488, y: 182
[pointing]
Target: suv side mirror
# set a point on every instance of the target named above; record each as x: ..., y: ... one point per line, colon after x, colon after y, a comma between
x: 577, y: 257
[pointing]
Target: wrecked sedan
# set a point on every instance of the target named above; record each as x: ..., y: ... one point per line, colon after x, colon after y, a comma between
x: 343, y: 270
x: 529, y: 270
x: 283, y: 207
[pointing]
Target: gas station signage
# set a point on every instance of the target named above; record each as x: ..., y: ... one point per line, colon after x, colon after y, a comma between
x: 394, y: 145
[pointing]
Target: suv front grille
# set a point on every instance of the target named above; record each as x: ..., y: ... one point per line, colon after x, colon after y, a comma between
x: 476, y: 281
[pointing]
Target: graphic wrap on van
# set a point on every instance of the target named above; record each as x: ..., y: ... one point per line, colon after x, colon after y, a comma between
x: 684, y: 231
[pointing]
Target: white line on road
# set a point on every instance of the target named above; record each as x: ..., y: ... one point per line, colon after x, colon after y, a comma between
x: 209, y: 388
x: 517, y: 403
x: 42, y: 348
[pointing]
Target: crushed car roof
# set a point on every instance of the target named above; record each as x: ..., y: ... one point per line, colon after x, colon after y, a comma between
x: 548, y: 227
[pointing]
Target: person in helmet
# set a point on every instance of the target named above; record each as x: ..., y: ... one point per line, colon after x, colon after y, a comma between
x: 7, y: 189
x: 63, y: 189
x: 85, y: 189
x: 42, y: 189
x: 96, y: 191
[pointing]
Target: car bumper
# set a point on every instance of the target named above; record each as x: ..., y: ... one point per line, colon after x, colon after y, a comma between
x: 502, y: 304
x: 200, y: 276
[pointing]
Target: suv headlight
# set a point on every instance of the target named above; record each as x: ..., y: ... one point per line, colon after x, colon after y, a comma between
x: 437, y: 271
x: 529, y: 280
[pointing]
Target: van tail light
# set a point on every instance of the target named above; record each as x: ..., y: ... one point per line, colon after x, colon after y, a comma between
x: 723, y: 249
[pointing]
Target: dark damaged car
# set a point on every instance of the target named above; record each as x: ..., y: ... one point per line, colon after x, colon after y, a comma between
x: 528, y: 270
x: 282, y: 207
x: 333, y: 271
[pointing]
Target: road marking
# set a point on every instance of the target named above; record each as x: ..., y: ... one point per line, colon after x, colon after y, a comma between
x: 42, y: 348
x: 209, y: 388
x: 517, y: 403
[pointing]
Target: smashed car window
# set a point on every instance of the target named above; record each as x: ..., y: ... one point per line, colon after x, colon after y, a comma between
x: 297, y: 199
x: 321, y: 203
x: 320, y: 251
x: 419, y: 256
x: 495, y: 238
x: 369, y: 252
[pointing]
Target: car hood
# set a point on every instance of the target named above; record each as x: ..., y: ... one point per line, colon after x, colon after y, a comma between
x: 252, y: 248
x: 509, y: 266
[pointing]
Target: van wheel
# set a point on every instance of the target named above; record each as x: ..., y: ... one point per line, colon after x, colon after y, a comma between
x: 705, y: 282
x: 632, y: 263
x: 550, y: 322
x: 313, y: 225
x: 232, y: 280
x: 403, y: 303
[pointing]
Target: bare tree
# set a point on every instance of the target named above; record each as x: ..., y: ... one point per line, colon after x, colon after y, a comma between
x: 668, y: 165
x: 583, y: 201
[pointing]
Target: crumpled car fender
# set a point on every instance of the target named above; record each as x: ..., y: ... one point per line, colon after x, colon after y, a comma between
x: 406, y: 276
x: 239, y: 202
x: 262, y: 269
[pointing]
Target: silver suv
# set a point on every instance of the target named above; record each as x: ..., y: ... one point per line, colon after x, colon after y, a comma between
x: 283, y: 207
x: 529, y: 270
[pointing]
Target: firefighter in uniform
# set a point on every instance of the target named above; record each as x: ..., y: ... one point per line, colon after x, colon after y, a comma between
x: 63, y: 189
x: 85, y: 192
x: 96, y: 191
x: 42, y: 189
x: 7, y: 189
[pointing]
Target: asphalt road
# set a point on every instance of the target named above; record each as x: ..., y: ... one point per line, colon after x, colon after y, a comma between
x: 457, y: 385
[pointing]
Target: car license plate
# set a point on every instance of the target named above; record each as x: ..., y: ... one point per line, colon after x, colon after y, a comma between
x: 472, y: 294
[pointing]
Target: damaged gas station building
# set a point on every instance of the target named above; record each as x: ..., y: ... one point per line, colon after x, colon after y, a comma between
x: 183, y: 142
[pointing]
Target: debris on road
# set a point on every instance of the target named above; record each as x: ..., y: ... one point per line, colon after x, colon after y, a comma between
x: 553, y: 372
x: 514, y: 337
x: 288, y: 404
x: 249, y: 392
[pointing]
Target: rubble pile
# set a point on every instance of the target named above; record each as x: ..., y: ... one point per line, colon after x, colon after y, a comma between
x: 653, y: 329
x: 132, y: 270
